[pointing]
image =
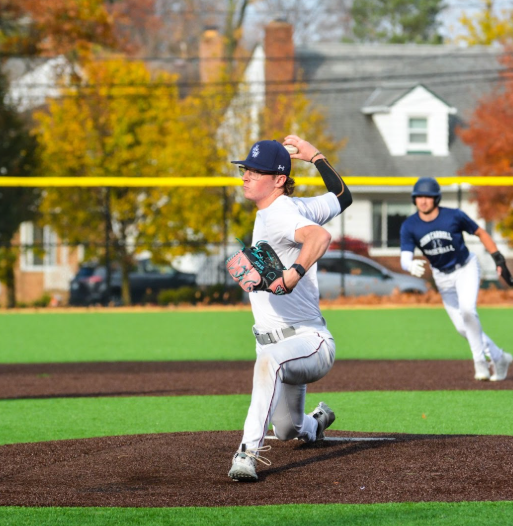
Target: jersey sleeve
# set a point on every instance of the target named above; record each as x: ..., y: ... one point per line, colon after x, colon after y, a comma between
x: 284, y: 228
x: 466, y: 223
x: 320, y: 209
x: 291, y: 214
x: 407, y: 239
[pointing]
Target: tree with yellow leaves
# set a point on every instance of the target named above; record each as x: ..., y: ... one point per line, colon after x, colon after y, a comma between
x: 122, y: 120
x: 486, y: 27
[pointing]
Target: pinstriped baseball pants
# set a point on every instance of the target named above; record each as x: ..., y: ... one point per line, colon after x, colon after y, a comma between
x: 281, y: 373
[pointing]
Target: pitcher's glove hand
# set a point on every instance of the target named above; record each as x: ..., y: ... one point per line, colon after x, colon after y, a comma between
x: 500, y: 262
x: 258, y: 268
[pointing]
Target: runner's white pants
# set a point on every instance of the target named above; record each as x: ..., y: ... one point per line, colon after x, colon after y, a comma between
x: 281, y: 373
x: 459, y: 291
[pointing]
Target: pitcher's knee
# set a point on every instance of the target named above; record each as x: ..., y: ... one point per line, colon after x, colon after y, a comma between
x: 288, y: 432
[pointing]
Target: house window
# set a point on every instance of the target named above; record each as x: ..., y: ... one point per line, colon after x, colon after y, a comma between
x: 387, y: 219
x: 39, y: 247
x: 418, y: 135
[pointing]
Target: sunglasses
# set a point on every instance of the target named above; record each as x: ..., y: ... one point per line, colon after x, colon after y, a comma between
x: 253, y: 174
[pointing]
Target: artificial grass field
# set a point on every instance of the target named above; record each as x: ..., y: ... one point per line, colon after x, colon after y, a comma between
x: 417, y: 412
x: 407, y: 514
x: 409, y: 333
x: 394, y: 334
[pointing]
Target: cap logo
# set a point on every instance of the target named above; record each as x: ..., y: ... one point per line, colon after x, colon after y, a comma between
x: 255, y: 152
x: 280, y: 167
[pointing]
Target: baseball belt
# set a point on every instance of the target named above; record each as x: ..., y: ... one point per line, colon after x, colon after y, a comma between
x: 450, y: 270
x: 276, y: 335
x: 270, y: 337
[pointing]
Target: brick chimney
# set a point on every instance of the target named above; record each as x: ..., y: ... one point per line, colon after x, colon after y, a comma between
x: 279, y: 63
x: 211, y: 48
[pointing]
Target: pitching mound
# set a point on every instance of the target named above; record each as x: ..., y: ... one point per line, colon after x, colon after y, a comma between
x: 190, y: 469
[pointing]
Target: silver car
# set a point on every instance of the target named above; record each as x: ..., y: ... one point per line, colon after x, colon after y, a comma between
x: 356, y: 275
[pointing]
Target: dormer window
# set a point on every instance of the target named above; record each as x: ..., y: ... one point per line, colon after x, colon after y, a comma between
x: 412, y: 119
x: 417, y: 127
x: 418, y: 135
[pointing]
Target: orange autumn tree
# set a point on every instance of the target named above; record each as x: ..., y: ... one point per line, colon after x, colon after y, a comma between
x: 490, y: 135
x: 50, y: 27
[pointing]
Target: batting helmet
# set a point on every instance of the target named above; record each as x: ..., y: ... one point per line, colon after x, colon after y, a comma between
x: 427, y: 186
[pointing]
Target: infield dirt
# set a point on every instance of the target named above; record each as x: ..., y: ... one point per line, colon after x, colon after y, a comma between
x: 230, y: 377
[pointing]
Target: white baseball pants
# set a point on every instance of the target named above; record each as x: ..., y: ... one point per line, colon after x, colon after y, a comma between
x: 281, y: 373
x: 459, y: 292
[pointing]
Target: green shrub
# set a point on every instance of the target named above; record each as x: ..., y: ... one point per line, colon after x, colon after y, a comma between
x: 221, y: 294
x: 211, y: 294
x: 180, y: 295
x: 43, y: 301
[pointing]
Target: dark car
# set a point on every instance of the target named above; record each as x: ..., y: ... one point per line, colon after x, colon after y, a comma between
x: 89, y: 286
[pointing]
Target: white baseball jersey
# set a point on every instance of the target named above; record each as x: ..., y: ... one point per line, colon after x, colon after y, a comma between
x: 283, y: 369
x: 277, y: 225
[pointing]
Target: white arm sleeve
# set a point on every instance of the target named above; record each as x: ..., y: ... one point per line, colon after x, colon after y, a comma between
x: 406, y: 259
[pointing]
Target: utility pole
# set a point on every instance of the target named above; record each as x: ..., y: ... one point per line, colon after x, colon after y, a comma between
x: 107, y: 241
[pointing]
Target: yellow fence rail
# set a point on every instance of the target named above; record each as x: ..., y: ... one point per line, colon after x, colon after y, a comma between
x: 234, y: 181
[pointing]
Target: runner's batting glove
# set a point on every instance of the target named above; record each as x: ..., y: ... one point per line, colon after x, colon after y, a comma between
x: 258, y: 268
x: 417, y: 267
x: 500, y: 262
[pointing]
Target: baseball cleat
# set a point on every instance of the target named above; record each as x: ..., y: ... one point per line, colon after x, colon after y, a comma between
x: 501, y: 367
x: 324, y: 416
x: 244, y: 464
x: 482, y: 371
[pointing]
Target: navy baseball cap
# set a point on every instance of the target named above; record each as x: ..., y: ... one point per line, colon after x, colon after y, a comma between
x: 268, y: 156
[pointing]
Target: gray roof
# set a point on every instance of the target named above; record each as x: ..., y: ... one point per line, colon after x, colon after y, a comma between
x: 389, y: 93
x: 342, y: 78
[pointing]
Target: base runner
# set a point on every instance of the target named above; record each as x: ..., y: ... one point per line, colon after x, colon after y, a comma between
x: 438, y: 232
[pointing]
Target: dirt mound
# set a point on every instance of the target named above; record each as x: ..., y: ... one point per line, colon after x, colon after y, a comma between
x: 190, y: 469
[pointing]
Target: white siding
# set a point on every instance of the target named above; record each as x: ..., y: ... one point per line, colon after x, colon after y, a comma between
x: 356, y: 221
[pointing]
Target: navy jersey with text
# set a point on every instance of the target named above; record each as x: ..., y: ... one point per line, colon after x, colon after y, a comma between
x: 440, y: 240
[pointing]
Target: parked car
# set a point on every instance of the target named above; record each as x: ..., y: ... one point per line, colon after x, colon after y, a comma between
x: 358, y: 276
x: 89, y: 286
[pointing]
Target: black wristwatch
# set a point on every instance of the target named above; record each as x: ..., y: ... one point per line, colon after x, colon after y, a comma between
x: 299, y: 269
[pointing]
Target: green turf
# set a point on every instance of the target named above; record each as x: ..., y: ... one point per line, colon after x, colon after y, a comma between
x: 429, y: 412
x: 406, y: 333
x: 404, y: 514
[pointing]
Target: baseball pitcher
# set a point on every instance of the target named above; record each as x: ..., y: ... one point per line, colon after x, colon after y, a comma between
x: 293, y: 344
